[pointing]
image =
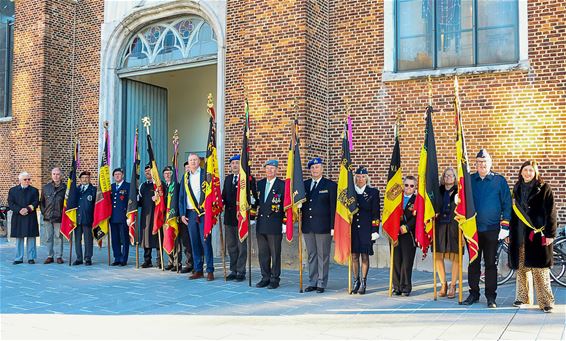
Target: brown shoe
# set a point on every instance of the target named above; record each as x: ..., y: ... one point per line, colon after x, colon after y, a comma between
x: 452, y: 291
x: 443, y: 288
x: 60, y: 260
x: 49, y: 260
x: 196, y: 275
x: 210, y: 276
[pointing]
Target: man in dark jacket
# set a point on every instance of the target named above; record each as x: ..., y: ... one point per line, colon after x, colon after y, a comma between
x: 270, y: 225
x: 118, y: 226
x: 85, y: 216
x: 23, y: 201
x: 51, y: 203
x: 492, y: 200
x: 318, y: 220
x: 147, y: 203
x: 404, y: 253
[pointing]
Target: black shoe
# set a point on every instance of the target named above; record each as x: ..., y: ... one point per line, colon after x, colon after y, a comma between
x: 471, y: 300
x: 405, y: 294
x: 363, y: 287
x: 491, y: 303
x: 169, y: 267
x: 186, y: 270
x: 115, y: 264
x: 174, y: 268
x: 547, y: 309
x: 310, y: 288
x: 123, y: 264
x: 273, y: 285
x: 262, y: 284
x: 88, y: 263
x: 146, y: 265
x: 517, y: 303
x: 77, y: 262
x: 240, y: 278
x: 320, y: 290
x: 356, y: 286
x: 397, y: 292
x: 31, y: 261
x: 16, y: 262
x: 231, y: 277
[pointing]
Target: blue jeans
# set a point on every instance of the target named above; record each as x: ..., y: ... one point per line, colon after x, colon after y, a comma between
x: 120, y: 238
x: 30, y: 241
x: 198, y: 244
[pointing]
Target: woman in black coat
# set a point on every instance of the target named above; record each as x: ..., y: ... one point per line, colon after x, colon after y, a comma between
x: 531, y: 232
x: 23, y: 201
x: 364, y: 228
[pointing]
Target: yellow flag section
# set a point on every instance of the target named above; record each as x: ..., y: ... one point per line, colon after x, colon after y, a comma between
x: 103, y: 204
x: 393, y: 198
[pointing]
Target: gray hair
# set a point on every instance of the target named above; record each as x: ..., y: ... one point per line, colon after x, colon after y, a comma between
x: 22, y: 175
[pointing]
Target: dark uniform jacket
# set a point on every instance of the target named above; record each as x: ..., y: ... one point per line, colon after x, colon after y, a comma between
x: 320, y: 207
x: 409, y: 219
x: 119, y: 203
x: 149, y: 240
x: 229, y: 198
x: 541, y: 210
x: 85, y: 208
x: 270, y: 212
x: 51, y: 202
x: 18, y: 198
x: 368, y: 213
x: 183, y: 194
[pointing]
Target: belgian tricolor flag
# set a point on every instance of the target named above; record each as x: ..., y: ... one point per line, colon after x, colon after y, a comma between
x: 171, y: 226
x: 132, y: 210
x: 244, y: 176
x: 428, y: 187
x: 393, y: 198
x: 103, y: 204
x: 294, y: 185
x: 69, y: 216
x: 212, y: 193
x: 159, y: 210
x: 346, y: 204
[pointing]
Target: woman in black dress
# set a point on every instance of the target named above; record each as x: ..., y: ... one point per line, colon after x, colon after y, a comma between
x: 447, y: 233
x: 365, y: 224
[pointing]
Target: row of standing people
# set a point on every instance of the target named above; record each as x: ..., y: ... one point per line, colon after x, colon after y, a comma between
x: 530, y: 249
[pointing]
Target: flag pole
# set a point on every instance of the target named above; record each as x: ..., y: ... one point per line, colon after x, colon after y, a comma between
x: 249, y: 249
x: 300, y: 243
x: 350, y: 273
x: 391, y: 254
x: 137, y: 249
x: 161, y: 250
x: 108, y: 242
x: 71, y: 235
x: 223, y: 247
x: 460, y: 267
x: 434, y: 258
x: 177, y: 252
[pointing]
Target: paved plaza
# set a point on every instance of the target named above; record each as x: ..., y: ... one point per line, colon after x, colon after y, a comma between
x: 101, y: 302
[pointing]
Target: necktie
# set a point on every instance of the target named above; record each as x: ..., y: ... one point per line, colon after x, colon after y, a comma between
x: 267, y: 189
x: 235, y: 182
x: 313, y: 186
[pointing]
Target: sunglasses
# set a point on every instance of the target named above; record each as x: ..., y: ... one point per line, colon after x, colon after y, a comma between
x: 407, y: 185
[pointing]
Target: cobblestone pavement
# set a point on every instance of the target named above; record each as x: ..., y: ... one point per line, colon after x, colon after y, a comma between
x: 100, y: 302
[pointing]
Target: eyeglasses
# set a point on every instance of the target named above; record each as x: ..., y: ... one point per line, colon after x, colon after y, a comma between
x: 407, y: 185
x: 26, y: 179
x: 449, y: 176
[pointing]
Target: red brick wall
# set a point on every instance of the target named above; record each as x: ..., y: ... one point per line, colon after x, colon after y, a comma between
x: 40, y: 133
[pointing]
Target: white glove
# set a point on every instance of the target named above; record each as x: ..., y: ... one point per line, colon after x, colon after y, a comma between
x: 300, y: 205
x: 374, y: 236
x: 252, y: 200
x: 283, y: 228
x: 503, y: 233
x: 332, y: 232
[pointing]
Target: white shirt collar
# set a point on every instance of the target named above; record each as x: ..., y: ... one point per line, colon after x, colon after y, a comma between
x: 119, y: 184
x: 360, y: 190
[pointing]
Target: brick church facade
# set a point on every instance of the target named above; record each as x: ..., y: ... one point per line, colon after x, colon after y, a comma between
x: 321, y: 55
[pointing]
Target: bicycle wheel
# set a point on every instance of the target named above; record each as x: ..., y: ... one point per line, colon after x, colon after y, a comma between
x: 559, y: 262
x: 504, y: 271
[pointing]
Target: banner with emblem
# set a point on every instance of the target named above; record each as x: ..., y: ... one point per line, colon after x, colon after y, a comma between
x: 159, y: 210
x: 211, y: 186
x: 346, y: 205
x: 294, y: 185
x: 393, y: 198
x: 171, y: 226
x: 69, y: 213
x: 103, y: 204
x: 244, y: 176
x: 132, y: 210
x: 428, y: 187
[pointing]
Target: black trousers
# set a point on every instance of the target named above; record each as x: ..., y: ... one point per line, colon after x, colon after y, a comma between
x: 487, y: 242
x: 269, y: 256
x: 403, y: 260
x: 238, y: 251
x: 182, y: 246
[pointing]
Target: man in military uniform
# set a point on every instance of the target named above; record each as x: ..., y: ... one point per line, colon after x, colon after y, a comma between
x: 147, y: 204
x: 191, y: 199
x: 270, y: 225
x: 318, y: 221
x: 85, y: 216
x: 118, y: 226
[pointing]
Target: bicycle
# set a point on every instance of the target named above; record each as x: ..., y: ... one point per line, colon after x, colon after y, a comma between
x: 504, y: 271
x: 559, y: 259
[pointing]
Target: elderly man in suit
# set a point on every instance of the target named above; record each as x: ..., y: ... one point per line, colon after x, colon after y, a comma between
x: 270, y: 225
x: 191, y: 199
x: 85, y: 217
x: 318, y: 221
x: 118, y: 225
x: 23, y: 201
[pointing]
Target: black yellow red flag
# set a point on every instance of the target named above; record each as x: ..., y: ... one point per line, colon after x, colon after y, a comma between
x: 294, y: 185
x: 70, y: 204
x: 244, y: 176
x: 103, y: 204
x: 132, y: 210
x: 393, y: 198
x: 171, y: 226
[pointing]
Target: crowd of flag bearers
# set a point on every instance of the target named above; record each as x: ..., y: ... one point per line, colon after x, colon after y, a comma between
x: 176, y: 215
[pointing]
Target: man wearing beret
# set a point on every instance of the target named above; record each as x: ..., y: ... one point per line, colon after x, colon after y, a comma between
x: 270, y: 225
x: 118, y: 226
x: 85, y: 217
x: 318, y: 221
x: 237, y: 250
x: 492, y: 200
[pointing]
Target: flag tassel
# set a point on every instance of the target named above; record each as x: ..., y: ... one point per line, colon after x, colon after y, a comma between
x: 250, y: 251
x: 300, y: 243
x: 391, y: 254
